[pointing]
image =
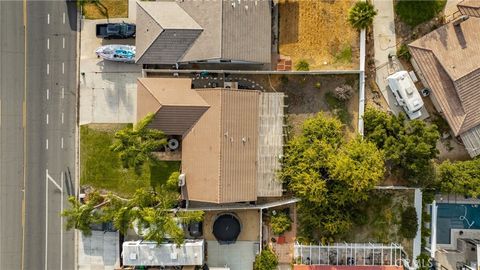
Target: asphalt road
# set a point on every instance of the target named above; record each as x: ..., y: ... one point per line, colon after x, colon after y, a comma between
x: 11, y: 132
x: 44, y: 77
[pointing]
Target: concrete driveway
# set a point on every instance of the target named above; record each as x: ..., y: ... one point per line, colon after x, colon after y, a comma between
x: 108, y: 90
x: 384, y: 46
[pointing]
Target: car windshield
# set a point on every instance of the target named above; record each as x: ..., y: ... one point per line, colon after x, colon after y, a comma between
x: 112, y: 28
x: 124, y: 29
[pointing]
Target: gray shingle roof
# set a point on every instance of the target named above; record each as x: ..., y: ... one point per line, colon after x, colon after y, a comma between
x: 213, y: 30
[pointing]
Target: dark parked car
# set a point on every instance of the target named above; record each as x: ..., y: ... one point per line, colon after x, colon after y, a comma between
x: 116, y: 30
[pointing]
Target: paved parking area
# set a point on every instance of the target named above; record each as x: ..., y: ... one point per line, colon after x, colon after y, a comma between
x: 100, y: 251
x: 107, y: 89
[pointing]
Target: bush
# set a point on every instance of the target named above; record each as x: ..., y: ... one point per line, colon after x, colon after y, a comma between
x: 361, y: 15
x: 343, y: 93
x: 266, y: 260
x: 302, y: 65
x: 172, y: 182
x: 280, y: 223
x: 416, y: 12
x: 404, y: 53
x: 409, y: 225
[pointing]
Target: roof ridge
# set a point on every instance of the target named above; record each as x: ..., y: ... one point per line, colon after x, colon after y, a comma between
x: 153, y: 40
x: 141, y: 79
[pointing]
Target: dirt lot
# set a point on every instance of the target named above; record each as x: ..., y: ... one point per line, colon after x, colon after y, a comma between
x: 318, y: 32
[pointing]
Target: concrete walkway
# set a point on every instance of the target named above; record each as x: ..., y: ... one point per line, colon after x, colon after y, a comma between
x: 385, y: 46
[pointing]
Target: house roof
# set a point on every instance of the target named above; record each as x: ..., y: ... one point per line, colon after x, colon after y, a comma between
x: 470, y: 3
x: 148, y: 253
x: 228, y: 30
x: 219, y: 156
x: 449, y: 61
x: 345, y: 267
x: 176, y: 106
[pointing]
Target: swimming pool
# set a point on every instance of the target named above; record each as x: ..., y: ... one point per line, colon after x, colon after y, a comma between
x: 456, y: 216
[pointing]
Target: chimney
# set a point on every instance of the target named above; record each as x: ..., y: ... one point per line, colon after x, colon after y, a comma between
x: 460, y: 19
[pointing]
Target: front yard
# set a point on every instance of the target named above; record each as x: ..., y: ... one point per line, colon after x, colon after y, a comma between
x: 319, y: 33
x: 105, y: 9
x: 102, y: 169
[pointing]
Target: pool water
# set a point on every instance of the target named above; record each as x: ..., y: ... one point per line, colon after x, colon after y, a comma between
x: 456, y: 216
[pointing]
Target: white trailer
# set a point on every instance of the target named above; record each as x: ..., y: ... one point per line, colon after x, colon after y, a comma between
x: 406, y: 93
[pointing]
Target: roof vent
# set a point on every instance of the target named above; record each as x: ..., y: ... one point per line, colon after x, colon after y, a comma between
x: 460, y: 19
x: 233, y: 5
x: 246, y: 8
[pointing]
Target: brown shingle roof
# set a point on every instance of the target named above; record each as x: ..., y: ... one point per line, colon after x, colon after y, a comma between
x: 470, y: 3
x: 176, y: 106
x: 449, y: 60
x: 220, y: 152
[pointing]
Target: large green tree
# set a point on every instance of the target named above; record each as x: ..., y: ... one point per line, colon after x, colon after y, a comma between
x: 361, y: 15
x: 461, y: 177
x: 81, y: 216
x: 136, y: 144
x: 330, y: 175
x: 409, y: 146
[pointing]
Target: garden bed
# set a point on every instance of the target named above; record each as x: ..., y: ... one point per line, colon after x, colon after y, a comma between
x: 102, y: 169
x: 318, y: 32
x: 381, y: 218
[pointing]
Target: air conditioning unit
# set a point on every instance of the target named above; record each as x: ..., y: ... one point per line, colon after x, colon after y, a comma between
x: 181, y: 180
x: 232, y: 85
x: 173, y: 144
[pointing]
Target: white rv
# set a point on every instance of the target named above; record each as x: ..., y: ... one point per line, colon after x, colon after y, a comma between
x: 406, y: 93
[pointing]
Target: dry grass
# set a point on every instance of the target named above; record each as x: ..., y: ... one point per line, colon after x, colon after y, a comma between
x: 106, y: 9
x: 318, y: 31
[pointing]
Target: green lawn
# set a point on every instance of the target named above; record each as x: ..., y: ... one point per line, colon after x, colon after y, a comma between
x: 102, y: 168
x: 415, y: 12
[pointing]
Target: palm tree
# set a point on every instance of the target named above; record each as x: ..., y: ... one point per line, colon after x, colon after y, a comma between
x: 151, y: 213
x: 361, y: 15
x: 136, y: 144
x: 81, y: 216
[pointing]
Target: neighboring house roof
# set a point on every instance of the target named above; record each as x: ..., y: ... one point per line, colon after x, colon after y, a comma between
x: 448, y: 59
x: 346, y: 267
x: 148, y: 253
x: 176, y: 106
x: 219, y: 156
x: 164, y: 32
x: 213, y: 30
x: 469, y: 7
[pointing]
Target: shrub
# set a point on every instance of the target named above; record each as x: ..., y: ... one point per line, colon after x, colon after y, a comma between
x: 404, y: 53
x: 409, y: 224
x: 416, y: 12
x: 361, y: 15
x: 302, y: 65
x: 266, y: 260
x: 172, y: 182
x: 280, y: 223
x: 343, y: 92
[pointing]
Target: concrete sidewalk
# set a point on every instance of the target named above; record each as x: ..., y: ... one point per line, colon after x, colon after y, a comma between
x: 385, y: 45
